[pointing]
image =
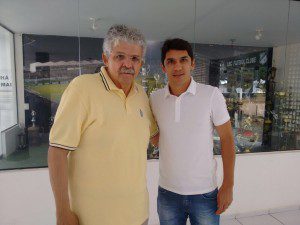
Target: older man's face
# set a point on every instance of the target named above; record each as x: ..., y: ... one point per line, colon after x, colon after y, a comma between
x: 124, y: 63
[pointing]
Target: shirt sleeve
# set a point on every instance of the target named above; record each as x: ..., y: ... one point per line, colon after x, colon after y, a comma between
x: 219, y: 111
x: 70, y: 120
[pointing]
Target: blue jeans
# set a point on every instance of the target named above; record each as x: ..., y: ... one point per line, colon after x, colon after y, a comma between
x: 174, y: 209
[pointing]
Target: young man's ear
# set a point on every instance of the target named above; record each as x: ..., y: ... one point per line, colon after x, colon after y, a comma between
x: 193, y: 64
x: 163, y: 67
x: 105, y: 59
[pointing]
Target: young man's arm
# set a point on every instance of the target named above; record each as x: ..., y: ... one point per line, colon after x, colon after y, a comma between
x: 57, y: 163
x: 225, y: 195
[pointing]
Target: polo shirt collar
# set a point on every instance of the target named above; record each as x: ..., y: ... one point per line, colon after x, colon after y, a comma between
x: 191, y: 89
x: 110, y: 85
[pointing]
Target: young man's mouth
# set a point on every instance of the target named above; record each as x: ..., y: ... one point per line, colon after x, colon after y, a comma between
x: 178, y: 75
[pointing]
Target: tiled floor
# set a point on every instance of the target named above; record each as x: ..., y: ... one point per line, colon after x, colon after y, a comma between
x: 280, y: 218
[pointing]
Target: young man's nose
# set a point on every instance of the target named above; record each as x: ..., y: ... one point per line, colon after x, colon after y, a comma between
x: 177, y: 66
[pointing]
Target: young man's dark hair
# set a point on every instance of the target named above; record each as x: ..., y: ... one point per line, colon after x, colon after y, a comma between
x: 176, y: 44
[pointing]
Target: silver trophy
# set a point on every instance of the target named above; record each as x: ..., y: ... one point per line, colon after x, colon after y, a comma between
x: 33, y: 131
x: 157, y: 79
x: 145, y: 70
x: 33, y: 114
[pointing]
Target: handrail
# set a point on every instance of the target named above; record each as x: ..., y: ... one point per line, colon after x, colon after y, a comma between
x: 9, y: 128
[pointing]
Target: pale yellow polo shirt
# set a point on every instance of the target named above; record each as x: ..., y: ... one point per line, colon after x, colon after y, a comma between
x: 108, y: 134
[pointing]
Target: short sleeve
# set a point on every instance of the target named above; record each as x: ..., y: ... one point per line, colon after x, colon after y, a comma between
x: 70, y: 120
x: 219, y: 111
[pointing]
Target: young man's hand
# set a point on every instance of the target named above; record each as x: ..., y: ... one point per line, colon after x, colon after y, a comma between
x: 225, y: 197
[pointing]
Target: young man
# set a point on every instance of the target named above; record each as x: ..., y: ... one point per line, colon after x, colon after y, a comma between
x: 187, y: 113
x: 99, y: 140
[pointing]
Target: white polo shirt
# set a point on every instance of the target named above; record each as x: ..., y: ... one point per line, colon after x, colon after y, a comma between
x: 186, y: 162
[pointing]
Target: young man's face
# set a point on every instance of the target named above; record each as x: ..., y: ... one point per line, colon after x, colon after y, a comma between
x: 124, y: 63
x: 178, y: 66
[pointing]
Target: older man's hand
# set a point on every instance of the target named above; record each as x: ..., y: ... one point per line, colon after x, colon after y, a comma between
x: 67, y: 218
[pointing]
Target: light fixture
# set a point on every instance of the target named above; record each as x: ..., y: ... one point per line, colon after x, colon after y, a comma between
x: 94, y: 23
x: 258, y: 34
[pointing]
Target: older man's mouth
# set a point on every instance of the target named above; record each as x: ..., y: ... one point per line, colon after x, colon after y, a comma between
x: 127, y: 71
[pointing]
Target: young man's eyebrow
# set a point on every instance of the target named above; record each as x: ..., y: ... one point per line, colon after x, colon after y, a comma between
x: 183, y: 57
x: 169, y: 59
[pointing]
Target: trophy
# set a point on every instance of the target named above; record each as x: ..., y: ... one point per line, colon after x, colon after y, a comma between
x: 145, y: 70
x: 156, y: 78
x: 33, y: 131
x: 33, y: 114
x: 247, y: 137
x: 144, y: 74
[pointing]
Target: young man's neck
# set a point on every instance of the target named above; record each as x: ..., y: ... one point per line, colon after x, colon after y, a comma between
x: 178, y: 90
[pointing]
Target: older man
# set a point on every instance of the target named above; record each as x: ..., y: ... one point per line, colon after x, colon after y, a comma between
x: 97, y: 154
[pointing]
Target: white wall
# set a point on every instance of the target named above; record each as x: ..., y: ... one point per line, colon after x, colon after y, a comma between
x: 263, y: 181
x: 26, y: 198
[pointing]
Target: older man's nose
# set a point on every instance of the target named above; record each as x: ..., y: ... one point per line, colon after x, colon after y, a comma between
x: 127, y: 62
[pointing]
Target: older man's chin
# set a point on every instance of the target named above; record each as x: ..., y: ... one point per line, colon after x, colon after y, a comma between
x: 127, y: 77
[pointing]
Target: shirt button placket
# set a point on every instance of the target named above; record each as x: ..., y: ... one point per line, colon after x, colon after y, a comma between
x: 177, y: 109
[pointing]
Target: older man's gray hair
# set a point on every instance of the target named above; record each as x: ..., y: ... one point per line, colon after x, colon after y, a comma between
x: 120, y: 32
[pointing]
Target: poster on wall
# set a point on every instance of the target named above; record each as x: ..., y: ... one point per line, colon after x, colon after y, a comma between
x: 8, y: 104
x: 6, y: 61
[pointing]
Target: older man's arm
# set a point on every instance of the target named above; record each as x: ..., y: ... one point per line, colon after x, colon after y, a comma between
x: 57, y: 163
x: 225, y: 195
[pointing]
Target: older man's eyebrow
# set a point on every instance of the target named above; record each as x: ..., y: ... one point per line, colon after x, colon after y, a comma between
x: 138, y: 56
x: 123, y: 53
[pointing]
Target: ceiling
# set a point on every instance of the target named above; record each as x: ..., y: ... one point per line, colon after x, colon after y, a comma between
x: 210, y: 21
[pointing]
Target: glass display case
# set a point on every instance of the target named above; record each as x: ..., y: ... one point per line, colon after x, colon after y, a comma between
x: 262, y: 117
x: 253, y: 60
x: 243, y: 82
